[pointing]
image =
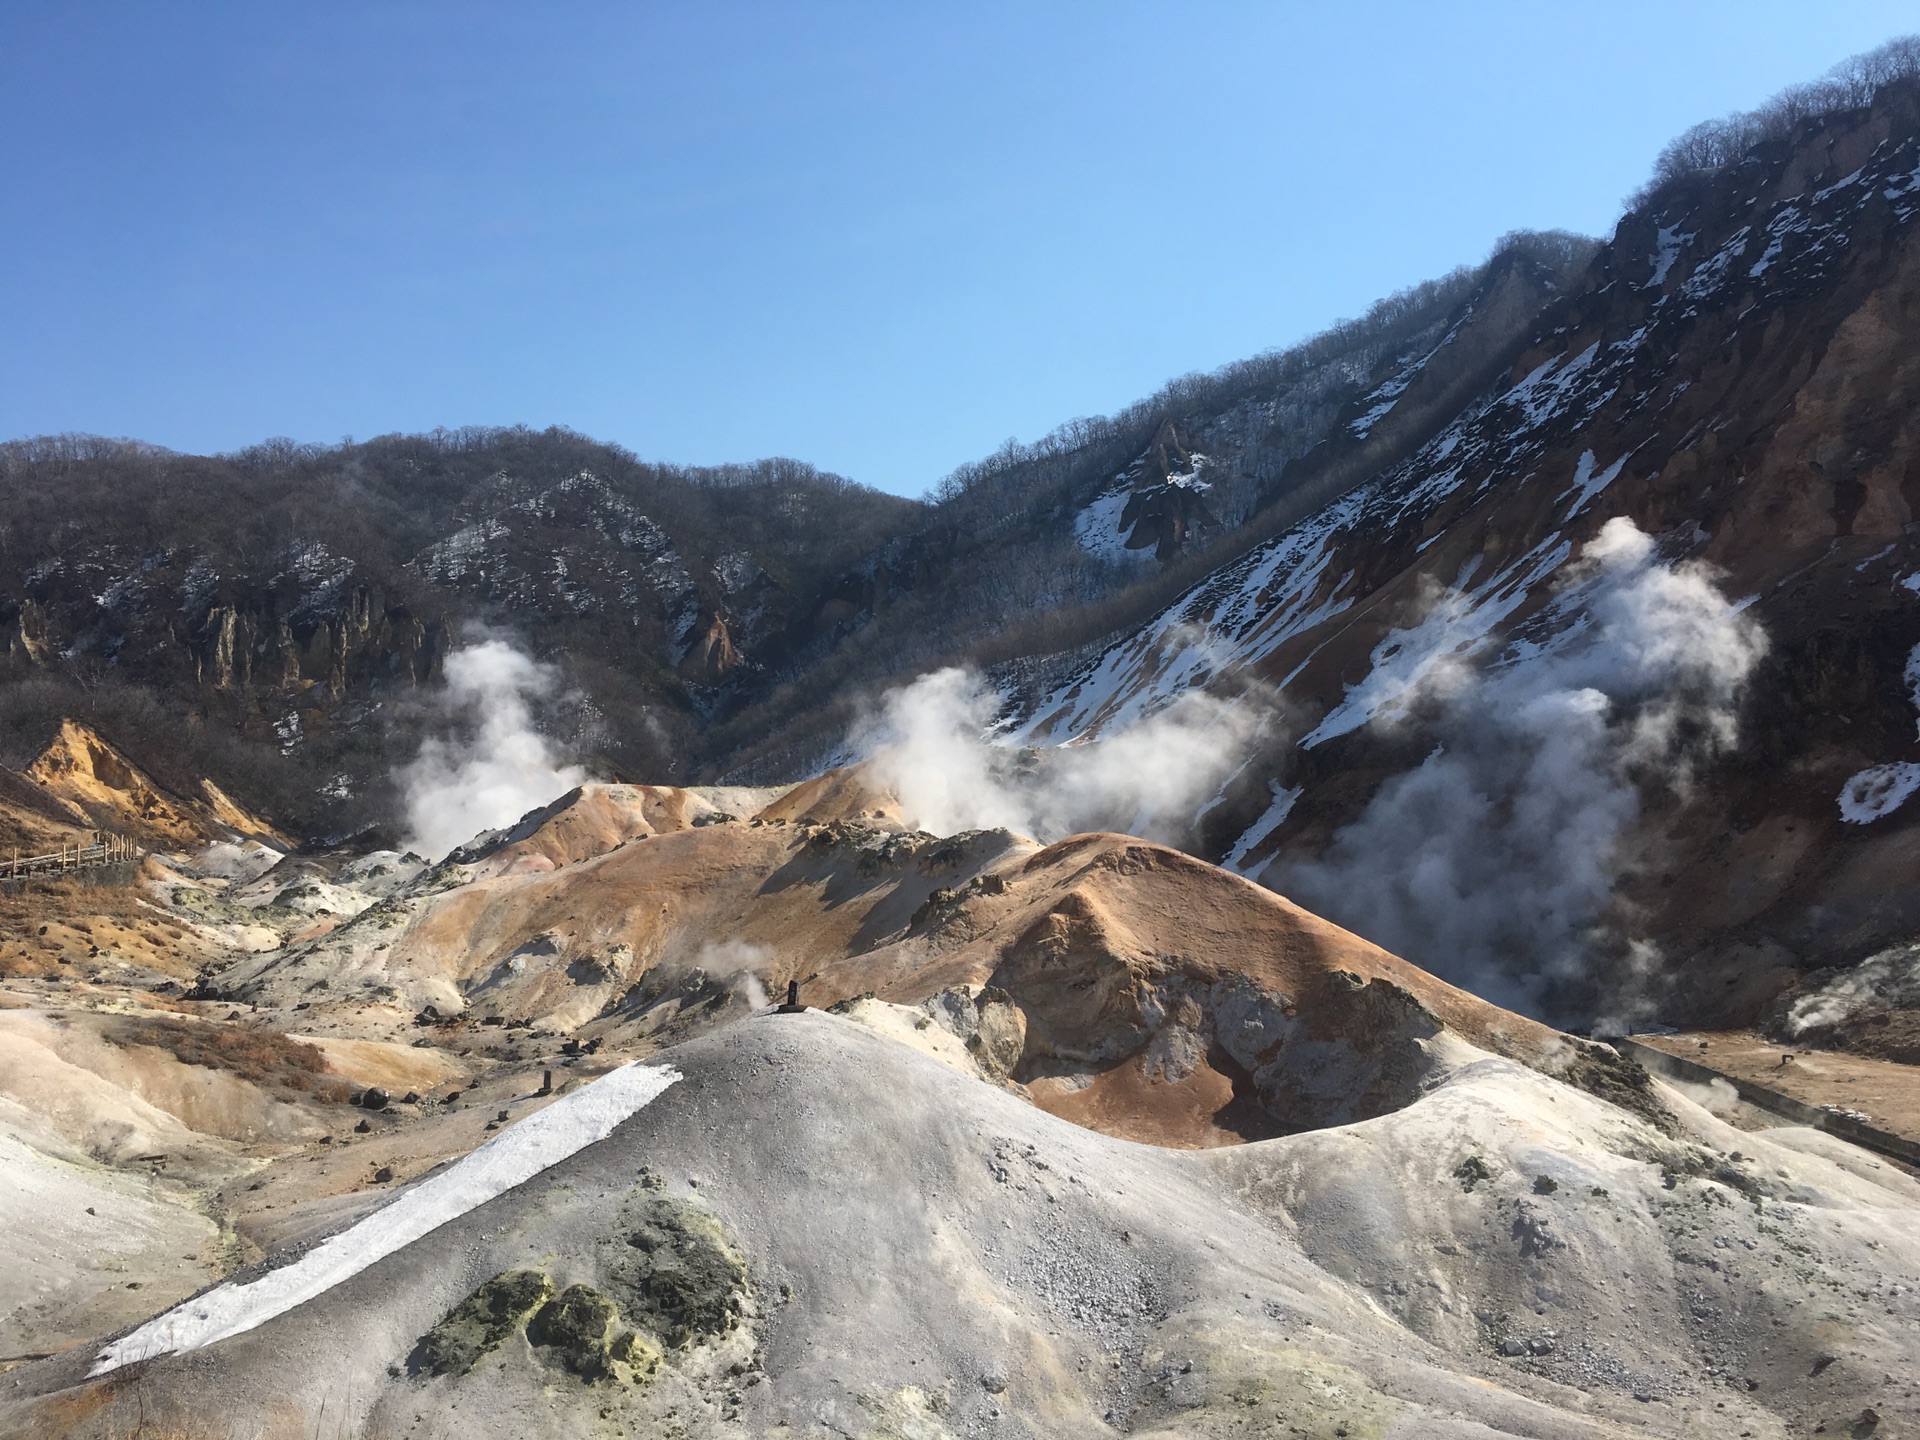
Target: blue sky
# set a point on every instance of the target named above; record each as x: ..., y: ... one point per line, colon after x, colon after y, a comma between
x: 881, y: 238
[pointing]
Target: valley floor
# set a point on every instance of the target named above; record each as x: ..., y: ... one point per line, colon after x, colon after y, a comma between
x: 1089, y: 1139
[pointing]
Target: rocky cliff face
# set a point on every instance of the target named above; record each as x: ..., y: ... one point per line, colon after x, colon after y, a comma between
x: 1729, y: 389
x: 278, y: 612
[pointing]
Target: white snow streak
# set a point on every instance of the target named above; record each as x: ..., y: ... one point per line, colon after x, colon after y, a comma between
x: 1586, y: 484
x: 1257, y: 833
x: 1457, y: 626
x: 1669, y: 242
x: 1097, y: 528
x: 1912, y: 678
x: 515, y: 1155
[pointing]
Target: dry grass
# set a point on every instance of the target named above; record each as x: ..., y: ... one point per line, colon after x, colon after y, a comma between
x: 75, y: 917
x: 257, y: 1053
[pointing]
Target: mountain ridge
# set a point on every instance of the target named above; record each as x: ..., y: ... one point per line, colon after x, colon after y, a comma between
x: 1333, y: 503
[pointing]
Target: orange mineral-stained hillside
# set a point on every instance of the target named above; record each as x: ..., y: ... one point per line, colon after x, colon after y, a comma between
x: 81, y: 768
x: 590, y: 820
x: 33, y: 822
x: 1127, y: 986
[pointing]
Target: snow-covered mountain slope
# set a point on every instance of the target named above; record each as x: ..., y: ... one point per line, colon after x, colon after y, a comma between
x: 1685, y: 513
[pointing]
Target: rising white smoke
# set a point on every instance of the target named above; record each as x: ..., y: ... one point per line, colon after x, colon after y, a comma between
x: 498, y: 766
x: 928, y: 744
x: 740, y: 966
x: 1493, y: 861
x: 1831, y: 999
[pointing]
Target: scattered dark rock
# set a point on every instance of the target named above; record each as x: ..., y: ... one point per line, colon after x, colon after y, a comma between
x: 1618, y: 1079
x: 375, y: 1098
x: 1545, y: 1185
x: 1471, y: 1172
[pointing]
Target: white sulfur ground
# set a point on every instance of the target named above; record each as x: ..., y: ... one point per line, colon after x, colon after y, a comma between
x: 930, y: 1256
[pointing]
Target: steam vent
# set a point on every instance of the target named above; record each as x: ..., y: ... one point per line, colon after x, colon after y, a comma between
x: 1372, y: 893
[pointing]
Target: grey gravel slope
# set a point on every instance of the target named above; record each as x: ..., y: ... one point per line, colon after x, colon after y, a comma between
x: 929, y: 1256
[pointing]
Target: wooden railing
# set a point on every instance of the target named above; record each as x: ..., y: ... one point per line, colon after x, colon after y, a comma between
x: 102, y: 850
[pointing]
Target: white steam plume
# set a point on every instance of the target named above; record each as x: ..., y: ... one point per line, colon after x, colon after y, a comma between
x: 501, y: 769
x: 1830, y: 999
x: 738, y: 964
x: 928, y: 744
x: 1492, y: 862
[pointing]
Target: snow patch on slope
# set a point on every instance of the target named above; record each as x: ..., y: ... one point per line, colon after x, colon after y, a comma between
x: 1667, y: 250
x: 1457, y: 626
x: 1912, y: 678
x: 1587, y: 484
x: 1097, y: 528
x: 1878, y: 790
x: 1882, y: 789
x: 516, y: 1155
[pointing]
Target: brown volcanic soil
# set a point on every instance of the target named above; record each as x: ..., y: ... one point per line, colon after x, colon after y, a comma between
x: 1153, y: 996
x: 82, y: 770
x: 1885, y: 1092
x: 32, y: 820
x: 69, y: 930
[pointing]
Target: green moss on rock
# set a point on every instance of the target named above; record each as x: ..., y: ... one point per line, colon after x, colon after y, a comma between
x: 678, y: 1273
x: 1472, y: 1171
x: 478, y: 1324
x: 1618, y: 1079
x: 583, y: 1327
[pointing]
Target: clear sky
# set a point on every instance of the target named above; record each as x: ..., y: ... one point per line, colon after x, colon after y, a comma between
x: 881, y: 238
